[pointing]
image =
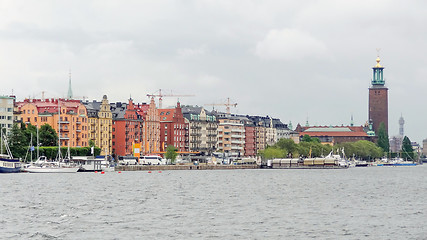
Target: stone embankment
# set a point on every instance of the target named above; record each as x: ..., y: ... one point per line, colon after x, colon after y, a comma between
x: 183, y: 167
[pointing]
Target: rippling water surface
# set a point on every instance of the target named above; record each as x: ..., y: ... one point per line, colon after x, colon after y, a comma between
x: 358, y: 203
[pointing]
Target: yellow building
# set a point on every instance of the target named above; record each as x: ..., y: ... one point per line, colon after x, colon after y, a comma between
x: 100, y: 124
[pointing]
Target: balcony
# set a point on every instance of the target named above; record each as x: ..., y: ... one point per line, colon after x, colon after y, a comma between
x: 237, y: 130
x: 78, y: 122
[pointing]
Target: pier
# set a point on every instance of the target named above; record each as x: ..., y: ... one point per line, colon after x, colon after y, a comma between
x: 184, y: 167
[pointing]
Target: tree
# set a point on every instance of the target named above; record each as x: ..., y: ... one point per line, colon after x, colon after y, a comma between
x: 407, y: 151
x: 17, y: 141
x: 91, y: 143
x: 383, y: 141
x: 48, y: 136
x: 273, y: 152
x: 171, y: 153
x: 307, y: 138
x: 288, y: 145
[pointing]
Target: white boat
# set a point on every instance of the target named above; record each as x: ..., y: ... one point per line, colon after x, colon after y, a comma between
x: 87, y: 163
x: 43, y: 165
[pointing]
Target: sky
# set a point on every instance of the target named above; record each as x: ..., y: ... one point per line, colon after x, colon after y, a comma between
x: 293, y: 60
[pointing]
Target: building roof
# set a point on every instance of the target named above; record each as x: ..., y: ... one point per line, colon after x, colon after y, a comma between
x: 334, y: 131
x: 166, y: 115
x: 51, y: 105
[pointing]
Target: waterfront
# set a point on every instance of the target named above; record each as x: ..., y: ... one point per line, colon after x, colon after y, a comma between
x: 356, y: 203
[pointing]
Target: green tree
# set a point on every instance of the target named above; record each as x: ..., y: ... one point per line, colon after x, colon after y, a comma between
x: 407, y: 151
x: 91, y: 143
x: 273, y: 152
x: 48, y: 136
x: 383, y: 141
x: 17, y: 141
x: 288, y: 145
x: 171, y: 153
x: 361, y: 149
x: 307, y: 138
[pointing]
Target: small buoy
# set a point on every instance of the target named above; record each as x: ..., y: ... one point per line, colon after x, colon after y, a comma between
x: 102, y: 172
x: 96, y: 171
x: 120, y: 171
x: 160, y: 171
x: 149, y: 171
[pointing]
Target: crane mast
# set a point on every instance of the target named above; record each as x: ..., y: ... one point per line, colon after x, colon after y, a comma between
x: 227, y: 105
x: 160, y: 95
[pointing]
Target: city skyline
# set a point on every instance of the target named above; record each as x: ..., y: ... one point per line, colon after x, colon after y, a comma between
x: 287, y: 60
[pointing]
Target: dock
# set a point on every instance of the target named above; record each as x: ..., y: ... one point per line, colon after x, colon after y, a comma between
x: 184, y: 167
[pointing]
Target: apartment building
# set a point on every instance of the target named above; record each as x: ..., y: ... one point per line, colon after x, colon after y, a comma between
x: 68, y: 117
x: 100, y: 124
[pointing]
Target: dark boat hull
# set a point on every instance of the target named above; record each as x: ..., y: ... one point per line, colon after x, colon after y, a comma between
x: 9, y: 165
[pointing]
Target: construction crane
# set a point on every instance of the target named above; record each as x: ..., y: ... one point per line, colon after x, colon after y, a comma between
x: 227, y: 104
x: 161, y: 95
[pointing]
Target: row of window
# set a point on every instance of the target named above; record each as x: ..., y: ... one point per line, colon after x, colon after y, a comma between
x: 6, y: 109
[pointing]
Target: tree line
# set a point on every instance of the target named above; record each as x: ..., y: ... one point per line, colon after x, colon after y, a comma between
x: 311, y: 147
x: 22, y: 140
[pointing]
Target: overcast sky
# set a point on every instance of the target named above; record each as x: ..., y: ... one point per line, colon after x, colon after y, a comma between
x: 294, y: 60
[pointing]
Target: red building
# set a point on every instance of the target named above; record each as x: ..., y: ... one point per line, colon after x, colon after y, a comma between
x: 173, y: 129
x: 127, y: 128
x: 250, y: 141
x: 335, y: 134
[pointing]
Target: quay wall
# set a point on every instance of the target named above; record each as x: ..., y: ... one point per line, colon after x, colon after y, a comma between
x: 183, y: 167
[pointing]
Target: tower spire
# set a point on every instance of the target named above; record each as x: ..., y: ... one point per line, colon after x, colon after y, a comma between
x: 378, y: 77
x: 401, y: 125
x: 70, y: 91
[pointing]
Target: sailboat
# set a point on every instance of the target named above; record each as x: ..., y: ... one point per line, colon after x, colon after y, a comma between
x: 43, y: 165
x: 8, y: 164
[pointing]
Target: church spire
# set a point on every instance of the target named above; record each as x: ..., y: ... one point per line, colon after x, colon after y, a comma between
x: 70, y: 91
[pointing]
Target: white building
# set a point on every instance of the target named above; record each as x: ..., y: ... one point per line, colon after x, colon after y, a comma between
x: 6, y: 112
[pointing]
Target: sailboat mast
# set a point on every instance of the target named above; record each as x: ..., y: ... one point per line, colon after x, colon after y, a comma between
x: 31, y: 145
x: 59, y: 131
x: 1, y: 129
x: 38, y: 141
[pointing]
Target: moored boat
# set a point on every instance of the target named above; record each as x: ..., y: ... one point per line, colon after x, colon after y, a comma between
x: 43, y: 165
x: 8, y: 164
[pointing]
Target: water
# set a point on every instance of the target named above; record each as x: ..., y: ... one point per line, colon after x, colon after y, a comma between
x: 358, y: 203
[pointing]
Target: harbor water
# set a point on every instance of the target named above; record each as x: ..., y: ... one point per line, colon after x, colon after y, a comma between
x: 356, y: 203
